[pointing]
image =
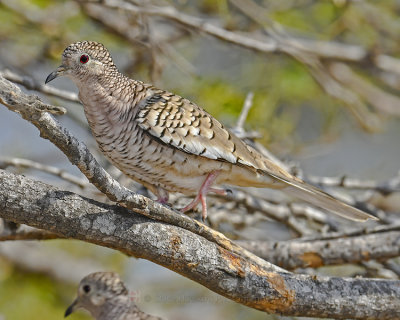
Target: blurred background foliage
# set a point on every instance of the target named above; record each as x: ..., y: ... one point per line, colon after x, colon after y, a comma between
x: 291, y: 111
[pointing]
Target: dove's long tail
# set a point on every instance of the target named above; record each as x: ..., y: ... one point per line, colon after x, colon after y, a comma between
x: 322, y: 200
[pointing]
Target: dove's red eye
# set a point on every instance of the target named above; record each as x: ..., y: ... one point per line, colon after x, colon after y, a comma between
x: 84, y: 58
x: 86, y: 288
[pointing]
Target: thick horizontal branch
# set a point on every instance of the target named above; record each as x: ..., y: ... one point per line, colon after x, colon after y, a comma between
x: 298, y: 254
x: 290, y: 254
x: 69, y: 215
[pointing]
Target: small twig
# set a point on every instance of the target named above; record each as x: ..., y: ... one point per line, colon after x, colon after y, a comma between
x: 375, y: 269
x: 25, y: 163
x: 269, y: 44
x: 116, y: 22
x: 276, y: 212
x: 343, y: 182
x: 391, y: 265
x: 248, y: 102
x: 123, y: 27
x: 24, y: 232
x: 174, y: 55
x: 352, y: 233
x: 239, y: 128
x: 382, y: 101
x: 32, y: 84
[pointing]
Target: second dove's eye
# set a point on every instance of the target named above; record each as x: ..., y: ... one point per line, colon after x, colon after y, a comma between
x: 86, y: 288
x: 84, y: 58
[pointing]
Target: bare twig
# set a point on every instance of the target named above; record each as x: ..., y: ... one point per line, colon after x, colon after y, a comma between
x: 352, y: 233
x: 120, y: 24
x: 369, y: 121
x: 276, y: 212
x: 382, y: 101
x: 32, y: 84
x: 375, y: 269
x: 353, y: 183
x: 248, y: 102
x: 25, y: 233
x: 25, y: 163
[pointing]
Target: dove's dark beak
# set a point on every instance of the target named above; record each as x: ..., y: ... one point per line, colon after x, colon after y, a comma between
x: 57, y: 73
x: 71, y: 308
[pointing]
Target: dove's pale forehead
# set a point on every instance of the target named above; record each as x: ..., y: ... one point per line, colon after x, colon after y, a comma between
x: 106, y: 281
x: 94, y: 49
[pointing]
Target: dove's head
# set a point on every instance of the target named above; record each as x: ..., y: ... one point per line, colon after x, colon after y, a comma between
x: 84, y: 61
x: 96, y: 291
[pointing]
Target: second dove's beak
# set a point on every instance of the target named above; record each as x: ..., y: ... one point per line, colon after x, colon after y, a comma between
x: 57, y: 73
x: 72, y: 307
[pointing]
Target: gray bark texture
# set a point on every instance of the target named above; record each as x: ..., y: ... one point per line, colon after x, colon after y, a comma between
x: 145, y: 229
x: 294, y: 254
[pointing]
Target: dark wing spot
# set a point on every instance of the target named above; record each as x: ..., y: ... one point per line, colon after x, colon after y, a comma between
x: 163, y: 132
x: 157, y: 119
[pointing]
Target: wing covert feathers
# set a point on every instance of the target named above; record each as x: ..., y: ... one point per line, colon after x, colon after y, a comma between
x: 182, y: 124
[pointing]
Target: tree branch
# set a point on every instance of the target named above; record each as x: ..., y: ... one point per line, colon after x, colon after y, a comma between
x: 26, y: 163
x: 294, y: 254
x: 69, y: 215
x: 25, y: 233
x: 32, y: 84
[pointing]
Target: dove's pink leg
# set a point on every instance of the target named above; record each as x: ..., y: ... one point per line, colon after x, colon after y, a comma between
x: 221, y: 192
x: 162, y: 196
x: 201, y: 195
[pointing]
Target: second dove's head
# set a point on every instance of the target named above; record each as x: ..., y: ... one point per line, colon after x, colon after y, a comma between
x: 96, y: 290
